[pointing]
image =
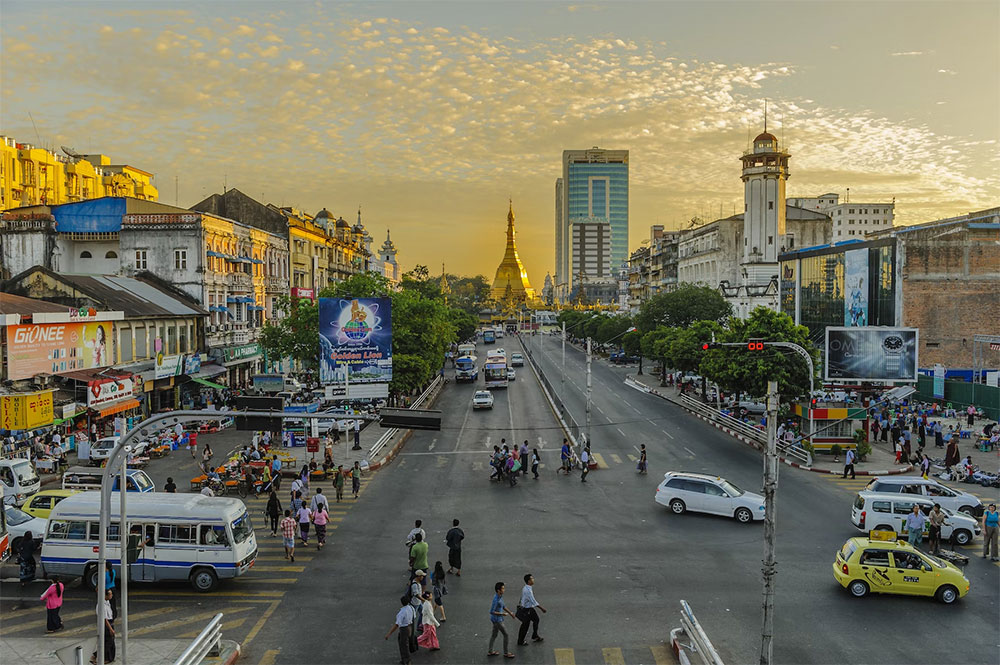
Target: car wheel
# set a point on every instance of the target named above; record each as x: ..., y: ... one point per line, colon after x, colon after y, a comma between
x: 947, y: 594
x: 968, y: 510
x: 90, y: 577
x: 961, y: 537
x: 858, y: 588
x: 677, y: 506
x: 743, y: 516
x: 204, y: 579
x: 16, y: 544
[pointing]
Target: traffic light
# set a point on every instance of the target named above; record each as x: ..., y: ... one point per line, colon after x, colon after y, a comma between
x: 710, y: 345
x: 755, y: 345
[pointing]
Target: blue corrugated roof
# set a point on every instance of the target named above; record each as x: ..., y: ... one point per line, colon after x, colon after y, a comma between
x: 102, y: 215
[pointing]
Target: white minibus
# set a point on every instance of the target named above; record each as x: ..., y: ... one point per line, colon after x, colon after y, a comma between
x: 172, y: 537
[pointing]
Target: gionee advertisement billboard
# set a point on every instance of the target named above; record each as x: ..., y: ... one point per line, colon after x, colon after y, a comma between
x: 355, y: 337
x: 871, y: 354
x: 57, y: 348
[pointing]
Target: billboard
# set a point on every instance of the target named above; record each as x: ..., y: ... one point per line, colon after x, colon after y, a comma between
x: 26, y: 411
x: 856, y: 288
x: 355, y: 337
x: 103, y: 391
x: 57, y: 348
x: 167, y: 366
x: 269, y: 383
x: 871, y: 354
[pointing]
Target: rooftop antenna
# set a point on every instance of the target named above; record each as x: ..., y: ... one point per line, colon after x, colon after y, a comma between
x: 37, y: 137
x: 765, y: 114
x: 175, y: 190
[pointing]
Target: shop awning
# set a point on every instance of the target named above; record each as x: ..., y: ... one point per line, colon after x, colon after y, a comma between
x: 118, y: 407
x: 60, y: 421
x: 208, y: 383
x: 208, y: 370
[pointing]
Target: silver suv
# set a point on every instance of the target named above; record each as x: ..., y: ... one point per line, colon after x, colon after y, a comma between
x: 952, y: 499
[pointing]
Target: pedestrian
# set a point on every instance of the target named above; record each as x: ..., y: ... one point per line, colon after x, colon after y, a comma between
x: 356, y: 479
x: 938, y: 435
x: 642, y: 459
x: 971, y: 415
x: 564, y: 456
x: 497, y: 613
x: 418, y: 554
x: 534, y: 462
x: 320, y: 518
x: 937, y: 519
x: 915, y: 523
x: 273, y: 511
x: 899, y: 450
x: 925, y: 466
x: 454, y: 539
x: 428, y: 639
x: 524, y: 457
x: 357, y: 434
x: 296, y: 503
x: 991, y: 527
x: 26, y: 560
x: 111, y: 582
x: 849, y: 463
x: 585, y: 464
x: 304, y: 516
x: 317, y: 499
x: 53, y: 598
x: 338, y: 482
x: 206, y: 455
x: 411, y: 537
x: 170, y: 486
x: 404, y: 624
x: 439, y: 587
x: 109, y: 629
x: 527, y: 614
x: 288, y: 535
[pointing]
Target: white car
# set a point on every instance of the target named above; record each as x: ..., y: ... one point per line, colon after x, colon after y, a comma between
x: 953, y: 499
x: 511, y: 374
x: 701, y: 493
x: 483, y: 399
x: 20, y: 522
x: 516, y: 360
x: 101, y: 449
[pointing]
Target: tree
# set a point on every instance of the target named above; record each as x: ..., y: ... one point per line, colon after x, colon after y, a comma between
x: 682, y: 307
x: 360, y: 285
x: 685, y: 352
x: 407, y: 373
x: 632, y: 344
x: 465, y: 324
x: 736, y: 369
x: 654, y: 344
x: 469, y: 293
x: 296, y: 335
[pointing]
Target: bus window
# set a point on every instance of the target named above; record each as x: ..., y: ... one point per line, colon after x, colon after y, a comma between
x: 95, y: 530
x: 68, y: 530
x: 214, y: 535
x: 242, y: 528
x: 177, y: 533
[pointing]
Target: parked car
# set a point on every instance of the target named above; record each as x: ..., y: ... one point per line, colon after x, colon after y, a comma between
x: 101, y: 449
x: 42, y: 503
x: 483, y: 399
x: 19, y: 523
x: 702, y: 493
x: 881, y: 511
x: 949, y: 498
x: 621, y: 358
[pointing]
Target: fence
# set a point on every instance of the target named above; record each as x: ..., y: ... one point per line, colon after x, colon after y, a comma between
x: 700, y: 648
x: 389, y: 433
x: 960, y: 394
x: 207, y: 643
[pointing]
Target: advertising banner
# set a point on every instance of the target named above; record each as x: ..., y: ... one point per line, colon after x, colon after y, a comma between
x: 856, y: 288
x: 109, y: 390
x: 871, y: 354
x: 57, y: 348
x: 167, y: 366
x: 939, y: 373
x: 26, y: 411
x: 192, y: 364
x: 355, y: 339
x: 269, y: 383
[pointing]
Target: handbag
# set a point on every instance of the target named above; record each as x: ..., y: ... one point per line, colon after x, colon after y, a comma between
x: 520, y: 613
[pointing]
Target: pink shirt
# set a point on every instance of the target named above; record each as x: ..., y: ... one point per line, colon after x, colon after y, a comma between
x: 321, y: 517
x: 51, y: 598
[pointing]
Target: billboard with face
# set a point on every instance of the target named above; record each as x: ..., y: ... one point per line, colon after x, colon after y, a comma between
x: 355, y: 337
x: 57, y: 348
x: 871, y: 354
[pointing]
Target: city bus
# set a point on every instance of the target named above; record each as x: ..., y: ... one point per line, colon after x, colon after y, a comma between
x: 191, y: 537
x: 495, y: 371
x: 489, y: 336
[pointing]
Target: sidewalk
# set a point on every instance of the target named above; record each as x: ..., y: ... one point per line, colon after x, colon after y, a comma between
x: 879, y: 463
x: 61, y: 650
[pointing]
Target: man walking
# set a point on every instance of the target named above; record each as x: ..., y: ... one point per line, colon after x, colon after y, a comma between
x: 288, y: 534
x: 849, y: 463
x: 991, y: 527
x: 404, y: 624
x: 937, y: 520
x: 585, y: 463
x: 497, y: 613
x: 357, y: 435
x: 915, y: 522
x: 564, y: 457
x: 418, y: 555
x: 454, y: 540
x: 356, y: 479
x: 524, y: 458
x: 338, y: 482
x: 527, y: 614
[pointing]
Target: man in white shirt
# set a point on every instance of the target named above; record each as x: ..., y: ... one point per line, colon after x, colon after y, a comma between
x: 585, y: 463
x: 404, y: 624
x: 412, y: 536
x: 526, y: 612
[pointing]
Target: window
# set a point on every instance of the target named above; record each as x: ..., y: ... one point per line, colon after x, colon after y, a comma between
x: 177, y: 533
x: 125, y: 344
x: 95, y: 530
x: 180, y: 259
x: 881, y: 507
x: 770, y: 205
x: 770, y: 240
x: 140, y: 259
x: 908, y: 560
x: 874, y: 558
x: 111, y: 255
x: 214, y: 535
x: 68, y: 530
x: 712, y: 489
x: 850, y: 221
x: 42, y: 502
x: 902, y: 507
x: 851, y: 211
x: 85, y: 255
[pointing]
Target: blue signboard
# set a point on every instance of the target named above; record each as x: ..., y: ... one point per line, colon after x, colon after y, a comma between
x: 355, y: 337
x: 856, y: 288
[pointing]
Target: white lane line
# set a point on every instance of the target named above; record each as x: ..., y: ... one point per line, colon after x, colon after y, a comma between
x: 468, y: 410
x: 689, y: 451
x: 617, y: 428
x: 433, y: 443
x: 662, y: 430
x: 598, y: 408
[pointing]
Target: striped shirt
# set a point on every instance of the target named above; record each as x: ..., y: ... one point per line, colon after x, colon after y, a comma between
x: 288, y: 527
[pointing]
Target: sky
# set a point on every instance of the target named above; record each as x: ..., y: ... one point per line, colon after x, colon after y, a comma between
x: 429, y: 116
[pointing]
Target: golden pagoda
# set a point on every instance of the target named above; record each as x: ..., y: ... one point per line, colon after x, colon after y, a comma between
x: 511, y: 286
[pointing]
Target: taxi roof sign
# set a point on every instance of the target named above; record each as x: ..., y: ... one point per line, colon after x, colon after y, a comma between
x: 883, y: 535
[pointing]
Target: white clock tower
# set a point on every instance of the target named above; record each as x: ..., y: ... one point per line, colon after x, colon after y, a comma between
x: 765, y: 170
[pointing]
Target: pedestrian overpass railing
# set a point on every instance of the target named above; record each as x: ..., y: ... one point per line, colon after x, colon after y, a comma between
x: 207, y: 643
x: 389, y: 433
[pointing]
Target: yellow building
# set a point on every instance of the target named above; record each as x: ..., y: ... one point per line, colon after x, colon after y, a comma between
x: 35, y: 176
x: 323, y: 250
x: 510, y: 285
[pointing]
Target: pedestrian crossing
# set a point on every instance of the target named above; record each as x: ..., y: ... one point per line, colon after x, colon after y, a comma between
x: 659, y: 654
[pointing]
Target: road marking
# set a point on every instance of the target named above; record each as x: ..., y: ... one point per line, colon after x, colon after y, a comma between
x: 279, y: 569
x: 617, y: 428
x: 272, y: 558
x: 270, y: 655
x: 598, y: 408
x: 183, y: 621
x: 442, y: 461
x: 444, y: 452
x: 564, y: 657
x: 243, y: 594
x: 632, y: 458
x: 488, y: 443
x: 273, y: 580
x: 662, y: 430
x: 260, y: 624
x: 430, y: 447
x: 615, y: 458
x: 541, y: 444
x: 691, y: 452
x: 613, y: 656
x: 477, y: 466
x: 662, y: 655
x: 228, y: 625
x: 601, y: 464
x: 90, y: 627
x: 38, y: 624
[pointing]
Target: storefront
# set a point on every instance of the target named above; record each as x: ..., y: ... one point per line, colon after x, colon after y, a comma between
x: 834, y: 423
x: 111, y: 398
x: 241, y: 362
x: 202, y: 389
x: 24, y: 416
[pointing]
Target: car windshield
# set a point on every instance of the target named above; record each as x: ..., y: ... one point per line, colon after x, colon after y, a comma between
x: 25, y: 472
x: 142, y: 481
x: 242, y: 528
x: 847, y: 550
x: 16, y: 516
x: 731, y: 490
x: 934, y: 560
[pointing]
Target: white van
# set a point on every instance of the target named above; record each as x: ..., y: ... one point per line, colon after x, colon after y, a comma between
x: 292, y: 384
x: 880, y: 511
x: 82, y: 478
x: 100, y: 450
x: 19, y: 480
x: 176, y: 536
x: 952, y: 499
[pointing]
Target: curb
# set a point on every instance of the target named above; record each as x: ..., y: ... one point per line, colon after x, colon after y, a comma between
x: 755, y: 446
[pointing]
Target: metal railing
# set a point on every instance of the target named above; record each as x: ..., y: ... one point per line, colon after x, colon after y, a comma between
x: 389, y: 433
x: 701, y: 647
x: 208, y: 643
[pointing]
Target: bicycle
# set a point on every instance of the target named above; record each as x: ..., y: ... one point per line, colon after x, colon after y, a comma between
x: 218, y: 487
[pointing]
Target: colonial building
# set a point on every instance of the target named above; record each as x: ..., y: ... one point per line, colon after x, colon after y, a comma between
x: 510, y: 285
x: 384, y: 262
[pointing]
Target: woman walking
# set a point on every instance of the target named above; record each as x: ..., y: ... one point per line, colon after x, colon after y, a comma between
x: 642, y: 459
x: 338, y: 482
x: 53, y: 598
x: 305, y: 518
x: 428, y: 639
x: 534, y: 462
x: 273, y: 511
x: 206, y: 455
x: 320, y: 518
x: 356, y: 479
x: 438, y: 588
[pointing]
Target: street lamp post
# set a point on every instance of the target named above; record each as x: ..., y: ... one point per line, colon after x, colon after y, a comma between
x: 589, y: 391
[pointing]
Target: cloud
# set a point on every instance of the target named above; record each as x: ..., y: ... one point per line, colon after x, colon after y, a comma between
x: 949, y: 72
x: 898, y: 54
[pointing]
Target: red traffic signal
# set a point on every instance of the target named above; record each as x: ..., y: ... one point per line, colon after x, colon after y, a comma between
x: 755, y: 345
x: 709, y: 345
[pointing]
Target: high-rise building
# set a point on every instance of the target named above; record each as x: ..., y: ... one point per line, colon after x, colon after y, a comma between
x: 593, y: 188
x: 851, y: 221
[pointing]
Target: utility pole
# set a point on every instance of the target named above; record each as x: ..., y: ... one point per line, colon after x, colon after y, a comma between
x: 770, y: 485
x: 562, y: 375
x: 126, y: 567
x: 588, y: 390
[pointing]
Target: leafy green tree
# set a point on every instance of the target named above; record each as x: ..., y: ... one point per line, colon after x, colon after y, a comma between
x: 682, y: 307
x: 296, y: 335
x: 685, y: 351
x: 360, y: 285
x: 612, y: 328
x: 407, y: 373
x: 654, y: 345
x: 469, y: 293
x: 465, y: 324
x: 632, y: 344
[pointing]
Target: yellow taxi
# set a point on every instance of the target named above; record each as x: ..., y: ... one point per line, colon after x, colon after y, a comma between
x: 40, y: 504
x: 883, y: 564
